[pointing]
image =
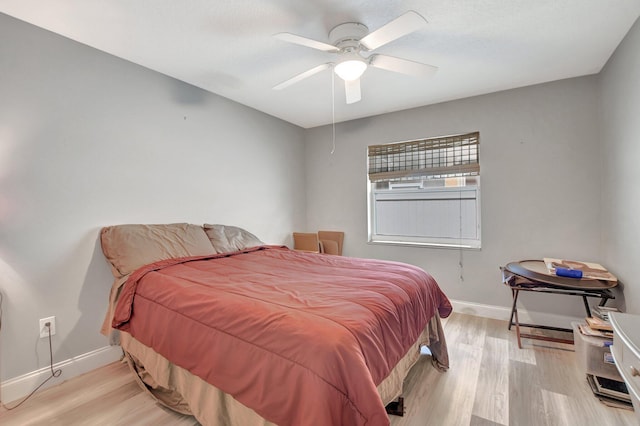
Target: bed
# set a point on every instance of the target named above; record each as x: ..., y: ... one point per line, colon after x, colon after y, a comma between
x: 217, y: 324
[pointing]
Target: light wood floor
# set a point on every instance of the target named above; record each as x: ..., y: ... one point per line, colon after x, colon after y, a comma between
x: 490, y: 382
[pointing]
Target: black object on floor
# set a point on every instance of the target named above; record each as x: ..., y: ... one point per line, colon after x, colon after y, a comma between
x: 396, y: 408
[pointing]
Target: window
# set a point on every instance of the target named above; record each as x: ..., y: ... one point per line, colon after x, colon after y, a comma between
x: 425, y: 192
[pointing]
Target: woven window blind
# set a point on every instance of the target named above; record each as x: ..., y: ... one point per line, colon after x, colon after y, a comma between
x: 448, y: 156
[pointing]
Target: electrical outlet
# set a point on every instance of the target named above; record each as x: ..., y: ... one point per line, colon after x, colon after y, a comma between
x: 44, y: 331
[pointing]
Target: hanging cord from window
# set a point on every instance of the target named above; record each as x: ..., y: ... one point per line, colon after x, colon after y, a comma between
x: 54, y: 373
x: 333, y: 111
x: 460, y: 260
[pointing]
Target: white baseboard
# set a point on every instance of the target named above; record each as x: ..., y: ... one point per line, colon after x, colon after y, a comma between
x: 524, y: 316
x: 21, y: 386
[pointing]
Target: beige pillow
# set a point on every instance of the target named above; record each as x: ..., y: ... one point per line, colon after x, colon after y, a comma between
x: 128, y: 247
x: 227, y: 239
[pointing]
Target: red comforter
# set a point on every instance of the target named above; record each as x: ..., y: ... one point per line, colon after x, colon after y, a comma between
x: 303, y: 339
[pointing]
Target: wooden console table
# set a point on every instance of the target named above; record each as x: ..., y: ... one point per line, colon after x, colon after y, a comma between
x: 532, y: 275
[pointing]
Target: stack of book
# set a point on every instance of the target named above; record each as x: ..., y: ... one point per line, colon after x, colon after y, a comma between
x: 598, y: 324
x: 588, y: 331
x: 602, y: 312
x: 611, y: 392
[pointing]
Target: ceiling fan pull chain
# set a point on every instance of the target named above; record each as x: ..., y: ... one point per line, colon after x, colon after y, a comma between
x: 333, y: 111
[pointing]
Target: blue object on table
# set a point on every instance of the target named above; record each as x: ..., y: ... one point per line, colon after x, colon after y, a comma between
x: 566, y: 272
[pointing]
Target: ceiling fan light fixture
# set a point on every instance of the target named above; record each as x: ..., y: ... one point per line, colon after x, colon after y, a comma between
x: 351, y: 41
x: 350, y: 69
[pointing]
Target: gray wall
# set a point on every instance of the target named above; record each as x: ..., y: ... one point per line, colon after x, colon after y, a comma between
x: 540, y: 182
x: 620, y: 136
x: 88, y: 140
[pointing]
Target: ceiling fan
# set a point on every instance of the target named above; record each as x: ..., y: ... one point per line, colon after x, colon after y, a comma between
x: 350, y: 40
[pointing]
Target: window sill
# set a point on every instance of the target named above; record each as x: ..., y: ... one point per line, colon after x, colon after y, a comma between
x: 424, y: 245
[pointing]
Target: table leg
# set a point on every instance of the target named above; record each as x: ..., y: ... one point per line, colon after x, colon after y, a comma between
x: 514, y: 294
x: 518, y: 330
x: 586, y: 305
x: 514, y: 313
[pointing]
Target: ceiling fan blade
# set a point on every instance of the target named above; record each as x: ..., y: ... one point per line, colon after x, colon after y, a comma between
x: 303, y: 41
x: 302, y: 76
x: 352, y: 90
x: 404, y: 66
x: 401, y: 26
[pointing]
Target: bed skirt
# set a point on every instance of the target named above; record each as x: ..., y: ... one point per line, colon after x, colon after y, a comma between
x: 181, y: 391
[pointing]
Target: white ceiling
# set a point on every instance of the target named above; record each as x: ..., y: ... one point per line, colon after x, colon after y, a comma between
x: 226, y: 46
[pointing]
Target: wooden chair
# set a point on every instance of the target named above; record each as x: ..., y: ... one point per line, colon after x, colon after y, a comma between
x: 331, y: 242
x: 306, y: 241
